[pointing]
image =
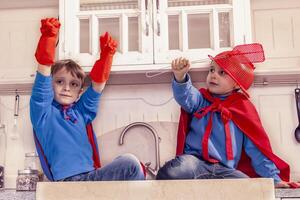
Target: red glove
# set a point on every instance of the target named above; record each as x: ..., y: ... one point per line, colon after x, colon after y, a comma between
x: 45, y: 51
x: 100, y: 71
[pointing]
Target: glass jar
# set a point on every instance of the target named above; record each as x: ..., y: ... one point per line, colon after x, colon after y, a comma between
x: 1, y: 177
x: 27, y: 180
x: 32, y: 162
x: 2, y: 154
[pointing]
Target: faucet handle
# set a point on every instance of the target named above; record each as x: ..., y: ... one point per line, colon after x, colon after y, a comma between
x: 150, y: 169
x: 147, y: 164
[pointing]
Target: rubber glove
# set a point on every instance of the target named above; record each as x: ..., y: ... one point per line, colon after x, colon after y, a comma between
x: 45, y: 51
x: 101, y: 69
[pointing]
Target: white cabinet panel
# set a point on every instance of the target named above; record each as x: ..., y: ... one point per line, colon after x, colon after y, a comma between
x: 277, y: 109
x: 278, y: 31
x: 18, y: 37
x: 277, y: 27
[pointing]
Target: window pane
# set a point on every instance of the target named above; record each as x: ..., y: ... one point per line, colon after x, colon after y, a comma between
x: 84, y: 36
x: 224, y: 29
x: 108, y: 4
x: 198, y: 31
x: 176, y: 3
x: 173, y: 32
x: 110, y: 25
x: 133, y: 35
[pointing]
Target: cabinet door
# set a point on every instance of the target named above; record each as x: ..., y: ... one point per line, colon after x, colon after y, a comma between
x: 18, y: 39
x: 152, y: 32
x: 83, y: 21
x: 197, y: 28
x: 277, y: 27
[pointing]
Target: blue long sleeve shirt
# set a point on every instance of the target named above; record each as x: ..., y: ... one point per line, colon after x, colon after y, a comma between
x: 191, y: 100
x: 65, y: 142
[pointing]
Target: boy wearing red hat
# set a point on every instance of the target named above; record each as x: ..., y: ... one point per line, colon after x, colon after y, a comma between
x: 220, y: 134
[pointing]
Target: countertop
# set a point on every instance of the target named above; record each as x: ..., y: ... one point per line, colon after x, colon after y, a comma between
x: 11, y: 194
x: 286, y: 193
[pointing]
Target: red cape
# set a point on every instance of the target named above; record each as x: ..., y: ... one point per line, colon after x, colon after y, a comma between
x: 245, y: 116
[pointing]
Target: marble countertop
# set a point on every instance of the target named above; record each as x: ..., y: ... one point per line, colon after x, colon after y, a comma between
x: 11, y: 194
x: 285, y: 193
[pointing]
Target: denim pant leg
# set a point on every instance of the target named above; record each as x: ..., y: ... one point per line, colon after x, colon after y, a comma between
x: 223, y: 172
x: 184, y: 167
x: 124, y: 167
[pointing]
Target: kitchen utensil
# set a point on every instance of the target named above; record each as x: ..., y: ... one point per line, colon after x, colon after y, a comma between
x: 14, y: 134
x: 297, y: 130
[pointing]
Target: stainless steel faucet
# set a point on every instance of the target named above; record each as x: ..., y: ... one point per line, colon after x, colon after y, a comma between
x: 156, y: 140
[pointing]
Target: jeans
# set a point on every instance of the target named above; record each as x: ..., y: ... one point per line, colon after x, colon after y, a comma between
x: 124, y: 167
x: 190, y: 167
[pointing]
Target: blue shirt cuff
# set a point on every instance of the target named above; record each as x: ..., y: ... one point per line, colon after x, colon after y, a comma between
x: 42, y: 86
x: 182, y: 87
x: 42, y: 79
x: 93, y: 93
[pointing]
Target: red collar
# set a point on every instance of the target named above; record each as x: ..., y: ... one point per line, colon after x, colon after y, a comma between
x: 217, y: 105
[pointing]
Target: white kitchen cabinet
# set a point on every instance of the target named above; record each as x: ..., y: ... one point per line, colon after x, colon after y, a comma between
x: 277, y: 26
x: 152, y: 32
x: 18, y: 38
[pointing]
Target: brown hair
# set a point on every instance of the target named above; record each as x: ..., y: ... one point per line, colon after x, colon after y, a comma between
x: 71, y: 66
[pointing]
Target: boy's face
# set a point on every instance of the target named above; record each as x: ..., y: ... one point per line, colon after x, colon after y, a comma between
x: 219, y: 82
x: 67, y: 88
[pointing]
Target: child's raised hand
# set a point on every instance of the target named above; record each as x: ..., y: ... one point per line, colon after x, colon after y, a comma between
x: 45, y: 51
x: 107, y: 44
x: 101, y: 69
x: 180, y: 67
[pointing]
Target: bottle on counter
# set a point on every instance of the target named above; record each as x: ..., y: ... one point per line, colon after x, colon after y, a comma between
x: 2, y: 154
x: 32, y: 162
x: 27, y: 180
x: 1, y: 177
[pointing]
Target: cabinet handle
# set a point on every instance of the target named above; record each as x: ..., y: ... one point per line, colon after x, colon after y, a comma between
x: 158, y: 17
x: 147, y: 18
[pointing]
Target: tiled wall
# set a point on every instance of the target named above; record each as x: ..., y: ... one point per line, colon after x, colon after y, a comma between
x: 151, y: 103
x: 18, y: 133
